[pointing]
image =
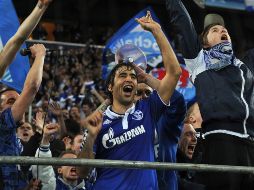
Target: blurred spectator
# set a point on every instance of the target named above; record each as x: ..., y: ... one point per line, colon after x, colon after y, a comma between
x: 67, y: 176
x: 72, y: 127
x: 75, y: 113
x: 24, y: 132
x: 187, y: 144
x: 87, y: 107
x: 73, y: 141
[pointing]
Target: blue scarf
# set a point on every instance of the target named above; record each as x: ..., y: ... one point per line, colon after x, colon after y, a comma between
x: 220, y: 56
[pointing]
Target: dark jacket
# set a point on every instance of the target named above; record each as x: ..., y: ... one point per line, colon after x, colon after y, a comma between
x: 225, y: 96
x: 186, y: 179
x: 61, y: 185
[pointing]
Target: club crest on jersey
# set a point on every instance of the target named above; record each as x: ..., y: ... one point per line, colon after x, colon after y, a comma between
x: 137, y: 115
x: 109, y: 141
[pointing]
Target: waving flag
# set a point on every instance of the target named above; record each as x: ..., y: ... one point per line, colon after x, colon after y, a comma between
x: 15, y: 74
x: 132, y: 33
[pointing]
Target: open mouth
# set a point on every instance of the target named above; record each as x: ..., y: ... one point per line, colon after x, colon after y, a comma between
x: 191, y: 148
x: 73, y: 172
x: 128, y: 89
x: 25, y: 134
x: 224, y: 37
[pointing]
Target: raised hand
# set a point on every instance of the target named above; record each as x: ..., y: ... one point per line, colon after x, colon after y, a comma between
x: 38, y: 50
x: 147, y: 22
x: 55, y: 108
x: 39, y: 121
x: 49, y: 131
x: 93, y: 123
x: 45, y: 2
x: 141, y: 74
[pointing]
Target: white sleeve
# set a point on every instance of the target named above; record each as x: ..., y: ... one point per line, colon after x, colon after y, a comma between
x: 196, y: 66
x: 46, y: 173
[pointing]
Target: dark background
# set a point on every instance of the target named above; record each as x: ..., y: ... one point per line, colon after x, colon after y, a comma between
x: 91, y: 17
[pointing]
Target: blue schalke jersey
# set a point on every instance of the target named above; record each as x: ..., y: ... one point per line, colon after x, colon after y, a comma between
x: 129, y: 137
x: 10, y: 145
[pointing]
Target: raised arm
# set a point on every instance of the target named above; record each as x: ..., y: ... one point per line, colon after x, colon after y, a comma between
x: 12, y: 46
x: 173, y: 70
x: 32, y: 83
x: 46, y: 173
x: 55, y: 108
x: 93, y: 124
x: 180, y: 19
x: 97, y: 95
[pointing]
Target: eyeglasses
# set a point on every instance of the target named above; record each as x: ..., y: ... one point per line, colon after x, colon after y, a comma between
x: 145, y: 92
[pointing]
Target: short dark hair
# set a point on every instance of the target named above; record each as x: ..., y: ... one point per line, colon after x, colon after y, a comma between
x: 203, y: 36
x: 6, y: 89
x: 72, y: 127
x: 88, y: 102
x: 112, y: 74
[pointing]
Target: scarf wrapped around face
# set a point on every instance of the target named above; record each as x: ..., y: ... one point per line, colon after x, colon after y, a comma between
x: 220, y: 56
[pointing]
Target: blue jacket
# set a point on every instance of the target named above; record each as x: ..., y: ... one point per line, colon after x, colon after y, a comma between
x: 169, y: 130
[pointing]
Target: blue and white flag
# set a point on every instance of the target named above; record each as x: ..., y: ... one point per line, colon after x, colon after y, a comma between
x: 132, y: 33
x: 15, y: 74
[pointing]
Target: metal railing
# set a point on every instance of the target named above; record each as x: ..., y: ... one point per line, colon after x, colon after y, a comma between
x: 64, y: 44
x: 23, y: 160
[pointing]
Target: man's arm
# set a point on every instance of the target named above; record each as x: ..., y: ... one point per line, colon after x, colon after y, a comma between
x: 12, y: 46
x: 32, y: 83
x: 180, y: 20
x: 93, y: 124
x: 173, y: 70
x: 46, y: 173
x: 97, y: 95
x: 55, y: 108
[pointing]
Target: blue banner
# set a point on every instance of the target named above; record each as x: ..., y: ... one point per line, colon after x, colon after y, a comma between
x: 15, y: 74
x: 132, y: 33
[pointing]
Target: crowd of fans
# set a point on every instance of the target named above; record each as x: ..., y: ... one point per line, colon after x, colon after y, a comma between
x: 66, y: 89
